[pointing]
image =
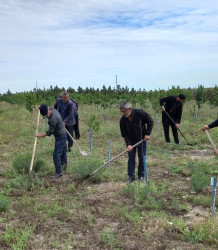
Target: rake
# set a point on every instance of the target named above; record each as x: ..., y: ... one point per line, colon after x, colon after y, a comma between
x: 84, y: 153
x: 178, y: 128
x: 103, y: 165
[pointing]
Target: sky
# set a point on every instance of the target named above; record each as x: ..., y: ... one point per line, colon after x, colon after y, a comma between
x: 147, y: 44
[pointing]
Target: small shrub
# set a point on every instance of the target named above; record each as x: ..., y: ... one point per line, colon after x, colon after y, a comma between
x: 21, y: 163
x: 94, y: 124
x: 199, y: 177
x: 4, y: 203
x: 21, y: 182
x: 85, y: 167
x: 199, y: 181
x: 15, y: 238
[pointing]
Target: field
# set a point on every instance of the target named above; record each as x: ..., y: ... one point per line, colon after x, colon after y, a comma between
x: 173, y: 212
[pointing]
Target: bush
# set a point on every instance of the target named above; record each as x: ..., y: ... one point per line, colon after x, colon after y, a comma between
x: 199, y: 177
x: 85, y: 167
x: 22, y: 182
x: 4, y: 203
x: 21, y: 163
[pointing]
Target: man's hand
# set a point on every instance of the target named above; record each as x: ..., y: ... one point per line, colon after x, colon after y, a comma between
x: 177, y: 125
x: 205, y: 127
x: 163, y: 108
x: 216, y: 152
x: 129, y: 148
x: 39, y: 135
x: 147, y: 138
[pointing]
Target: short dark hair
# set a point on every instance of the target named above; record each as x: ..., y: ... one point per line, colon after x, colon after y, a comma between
x: 181, y: 96
x: 43, y: 109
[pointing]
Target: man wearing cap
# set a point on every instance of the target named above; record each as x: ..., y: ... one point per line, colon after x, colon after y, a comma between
x: 135, y: 125
x: 211, y: 125
x: 56, y: 127
x: 64, y: 106
x: 171, y: 108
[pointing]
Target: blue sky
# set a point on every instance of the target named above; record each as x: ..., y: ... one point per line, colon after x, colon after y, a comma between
x: 147, y: 44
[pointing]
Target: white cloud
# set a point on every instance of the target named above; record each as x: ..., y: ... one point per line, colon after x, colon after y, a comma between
x: 84, y: 42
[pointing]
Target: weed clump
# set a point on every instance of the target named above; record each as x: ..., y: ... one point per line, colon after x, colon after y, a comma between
x: 87, y: 166
x: 21, y: 163
x: 4, y: 203
x: 199, y: 177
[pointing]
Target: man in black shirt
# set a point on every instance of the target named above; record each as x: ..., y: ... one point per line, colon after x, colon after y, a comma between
x: 172, y: 106
x: 135, y: 125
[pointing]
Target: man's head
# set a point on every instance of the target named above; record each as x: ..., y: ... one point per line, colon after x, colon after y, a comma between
x: 180, y: 98
x: 65, y: 97
x: 126, y: 108
x: 43, y: 109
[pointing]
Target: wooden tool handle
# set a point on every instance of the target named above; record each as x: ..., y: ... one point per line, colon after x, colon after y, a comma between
x: 34, y: 147
x: 210, y: 139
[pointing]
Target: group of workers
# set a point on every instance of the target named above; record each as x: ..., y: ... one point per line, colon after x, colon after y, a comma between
x: 135, y: 125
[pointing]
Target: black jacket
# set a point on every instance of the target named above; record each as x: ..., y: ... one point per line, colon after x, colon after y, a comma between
x: 67, y: 115
x: 172, y: 107
x: 135, y: 130
x: 213, y: 124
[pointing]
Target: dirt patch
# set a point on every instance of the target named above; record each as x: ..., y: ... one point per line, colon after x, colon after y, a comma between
x: 194, y: 154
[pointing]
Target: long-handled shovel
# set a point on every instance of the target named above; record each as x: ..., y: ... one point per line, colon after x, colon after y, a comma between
x: 34, y: 150
x: 84, y: 153
x: 106, y: 163
x: 178, y: 128
x: 210, y: 139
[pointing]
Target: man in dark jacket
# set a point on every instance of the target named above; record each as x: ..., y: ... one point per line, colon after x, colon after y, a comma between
x: 171, y: 108
x: 135, y: 125
x: 65, y: 107
x: 211, y: 125
x: 56, y: 127
x: 76, y: 116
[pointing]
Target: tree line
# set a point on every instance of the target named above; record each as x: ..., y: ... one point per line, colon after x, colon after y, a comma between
x: 107, y: 96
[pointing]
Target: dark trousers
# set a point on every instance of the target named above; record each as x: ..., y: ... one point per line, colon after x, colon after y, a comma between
x: 70, y: 130
x: 59, y: 154
x: 167, y: 123
x: 131, y: 161
x: 76, y: 125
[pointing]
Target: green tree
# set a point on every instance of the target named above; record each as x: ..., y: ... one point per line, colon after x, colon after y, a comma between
x: 200, y: 97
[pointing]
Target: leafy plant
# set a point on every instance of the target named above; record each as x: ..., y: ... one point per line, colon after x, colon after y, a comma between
x: 199, y: 177
x: 85, y: 167
x: 15, y: 238
x: 94, y: 124
x: 30, y: 101
x: 108, y: 238
x: 21, y: 163
x: 4, y: 203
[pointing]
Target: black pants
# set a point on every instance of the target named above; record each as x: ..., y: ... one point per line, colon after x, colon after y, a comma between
x: 76, y: 125
x: 166, y: 125
x: 70, y: 141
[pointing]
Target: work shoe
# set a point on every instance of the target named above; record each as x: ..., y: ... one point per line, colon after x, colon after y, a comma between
x: 130, y: 180
x: 56, y: 176
x: 69, y: 149
x: 64, y: 167
x: 141, y: 179
x: 77, y: 137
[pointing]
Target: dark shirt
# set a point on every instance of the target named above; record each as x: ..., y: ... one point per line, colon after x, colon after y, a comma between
x: 66, y: 111
x: 172, y: 107
x: 56, y: 124
x: 135, y: 130
x: 213, y: 124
